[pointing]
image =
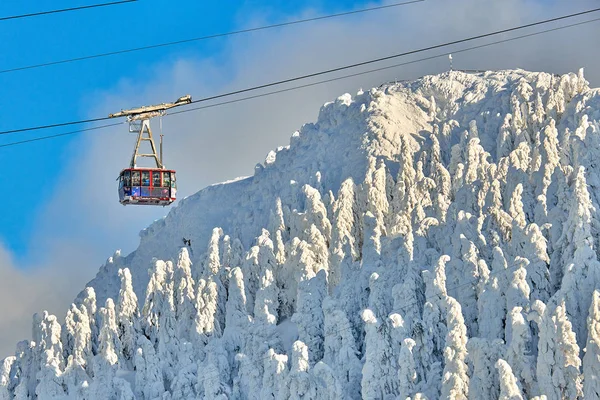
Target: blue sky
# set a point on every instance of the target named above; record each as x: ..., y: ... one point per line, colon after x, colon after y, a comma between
x: 60, y: 218
x: 62, y: 92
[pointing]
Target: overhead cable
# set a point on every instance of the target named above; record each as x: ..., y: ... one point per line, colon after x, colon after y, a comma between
x: 407, y: 53
x: 263, y: 86
x: 213, y: 36
x: 114, y: 3
x: 315, y: 83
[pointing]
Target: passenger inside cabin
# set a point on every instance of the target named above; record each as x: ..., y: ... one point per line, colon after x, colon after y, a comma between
x: 135, y: 178
x: 145, y: 178
x: 127, y: 178
x: 156, y: 178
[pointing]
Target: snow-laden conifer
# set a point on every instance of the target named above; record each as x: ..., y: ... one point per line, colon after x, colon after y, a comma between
x: 591, y: 359
x: 185, y: 296
x: 47, y: 333
x: 301, y: 383
x: 128, y: 315
x: 509, y: 387
x: 5, y: 369
x: 340, y: 349
x: 309, y: 315
x: 558, y: 360
x: 483, y: 354
x: 519, y: 350
x: 407, y: 373
x: 455, y: 382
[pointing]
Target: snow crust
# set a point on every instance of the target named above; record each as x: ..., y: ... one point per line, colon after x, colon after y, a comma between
x: 427, y: 239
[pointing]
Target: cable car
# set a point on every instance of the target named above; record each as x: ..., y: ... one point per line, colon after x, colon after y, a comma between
x: 147, y: 185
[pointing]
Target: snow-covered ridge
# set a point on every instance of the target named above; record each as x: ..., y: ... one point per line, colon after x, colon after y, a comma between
x: 428, y: 239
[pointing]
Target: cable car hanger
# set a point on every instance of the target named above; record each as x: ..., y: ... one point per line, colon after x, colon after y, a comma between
x: 144, y: 114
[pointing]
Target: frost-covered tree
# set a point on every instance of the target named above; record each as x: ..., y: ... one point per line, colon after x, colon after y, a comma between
x: 105, y: 363
x: 491, y: 303
x: 154, y: 305
x: 483, y: 354
x: 5, y: 369
x: 591, y: 359
x: 309, y: 315
x: 149, y: 381
x: 214, y: 272
x: 509, y: 387
x: 407, y: 372
x: 517, y: 293
x: 275, y: 375
x: 213, y: 374
x: 409, y: 297
x: 47, y: 332
x: 316, y: 212
x: 340, y: 349
x: 301, y: 383
x: 558, y: 360
x: 128, y: 315
x: 185, y: 296
x: 77, y: 336
x: 455, y: 382
x: 430, y: 333
x: 519, y: 350
x: 237, y: 319
x: 109, y: 343
x: 581, y: 273
x: 327, y: 385
x: 464, y: 272
x: 380, y: 370
x: 206, y: 323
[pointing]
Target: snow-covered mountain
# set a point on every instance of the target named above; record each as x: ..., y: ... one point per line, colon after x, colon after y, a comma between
x: 428, y: 239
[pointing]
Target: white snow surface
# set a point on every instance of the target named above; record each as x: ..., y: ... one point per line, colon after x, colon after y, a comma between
x: 427, y: 239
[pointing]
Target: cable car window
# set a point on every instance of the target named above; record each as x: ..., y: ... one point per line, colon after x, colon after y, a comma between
x: 135, y: 178
x: 173, y: 180
x: 145, y: 178
x: 127, y: 178
x: 121, y: 182
x: 166, y: 179
x: 156, y: 178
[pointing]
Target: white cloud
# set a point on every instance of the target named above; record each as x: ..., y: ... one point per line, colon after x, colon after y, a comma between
x: 25, y: 292
x: 84, y: 219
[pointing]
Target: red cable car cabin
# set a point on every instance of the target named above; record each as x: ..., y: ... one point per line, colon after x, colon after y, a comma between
x: 150, y: 186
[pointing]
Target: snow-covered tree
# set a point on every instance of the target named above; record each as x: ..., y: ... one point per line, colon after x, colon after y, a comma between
x: 558, y: 360
x: 455, y: 382
x: 301, y: 384
x: 491, y: 303
x: 407, y: 372
x: 149, y: 381
x: 509, y: 387
x: 275, y: 375
x: 128, y: 315
x: 340, y: 349
x: 5, y: 369
x: 483, y: 353
x: 591, y: 359
x: 185, y: 296
x: 309, y: 315
x: 206, y: 322
x: 49, y: 347
x: 519, y: 351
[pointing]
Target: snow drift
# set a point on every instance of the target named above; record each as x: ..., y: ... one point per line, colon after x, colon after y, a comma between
x: 429, y: 239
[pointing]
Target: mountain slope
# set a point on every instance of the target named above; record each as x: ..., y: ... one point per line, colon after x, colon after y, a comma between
x: 429, y: 239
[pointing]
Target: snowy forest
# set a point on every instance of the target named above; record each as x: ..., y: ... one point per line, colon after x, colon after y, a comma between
x: 432, y: 239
